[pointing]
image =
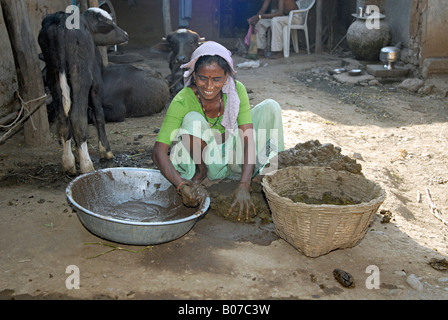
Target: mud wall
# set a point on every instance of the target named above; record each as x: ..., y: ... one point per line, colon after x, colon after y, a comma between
x: 398, y: 15
x: 434, y: 40
x: 144, y: 22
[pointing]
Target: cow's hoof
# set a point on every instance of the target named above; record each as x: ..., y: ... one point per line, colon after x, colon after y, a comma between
x: 70, y: 171
x: 86, y: 166
x: 108, y: 155
x: 104, y: 154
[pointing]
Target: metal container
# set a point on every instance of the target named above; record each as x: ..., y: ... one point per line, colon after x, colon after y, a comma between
x: 355, y: 72
x: 338, y: 71
x: 389, y: 55
x: 131, y: 206
x: 361, y: 12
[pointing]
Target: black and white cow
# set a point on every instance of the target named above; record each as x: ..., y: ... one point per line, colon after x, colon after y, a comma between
x: 133, y: 91
x: 74, y: 79
x: 180, y: 45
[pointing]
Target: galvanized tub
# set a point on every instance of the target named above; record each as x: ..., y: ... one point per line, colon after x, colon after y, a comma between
x: 131, y: 206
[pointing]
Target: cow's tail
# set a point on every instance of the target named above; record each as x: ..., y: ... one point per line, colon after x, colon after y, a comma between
x: 56, y: 39
x: 65, y: 90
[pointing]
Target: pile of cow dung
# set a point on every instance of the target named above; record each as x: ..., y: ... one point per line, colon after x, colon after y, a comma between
x: 310, y: 153
x: 221, y: 196
x: 313, y: 153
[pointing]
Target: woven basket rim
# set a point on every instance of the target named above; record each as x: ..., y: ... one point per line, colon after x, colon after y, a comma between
x: 372, y: 202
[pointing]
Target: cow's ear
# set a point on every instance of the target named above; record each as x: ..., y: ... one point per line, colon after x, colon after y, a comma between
x: 105, y: 26
x: 161, y: 47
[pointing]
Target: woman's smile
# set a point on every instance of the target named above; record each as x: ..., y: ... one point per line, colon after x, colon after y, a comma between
x: 209, y: 80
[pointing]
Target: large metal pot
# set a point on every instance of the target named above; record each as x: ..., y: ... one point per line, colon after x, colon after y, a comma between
x: 389, y: 55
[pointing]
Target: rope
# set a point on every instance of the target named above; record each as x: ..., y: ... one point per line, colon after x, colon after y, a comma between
x: 24, y: 105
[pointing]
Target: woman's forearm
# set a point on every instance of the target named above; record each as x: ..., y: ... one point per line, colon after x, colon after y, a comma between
x: 249, y: 157
x: 163, y: 162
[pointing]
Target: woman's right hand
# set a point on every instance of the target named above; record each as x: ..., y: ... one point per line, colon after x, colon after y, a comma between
x: 193, y: 194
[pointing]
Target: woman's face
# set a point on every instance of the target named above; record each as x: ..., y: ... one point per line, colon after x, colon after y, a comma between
x: 209, y: 80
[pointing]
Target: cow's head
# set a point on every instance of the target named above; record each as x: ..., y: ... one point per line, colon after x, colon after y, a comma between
x: 104, y: 30
x: 180, y: 45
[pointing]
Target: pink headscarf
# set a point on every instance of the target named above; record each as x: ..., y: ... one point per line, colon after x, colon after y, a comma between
x: 211, y: 48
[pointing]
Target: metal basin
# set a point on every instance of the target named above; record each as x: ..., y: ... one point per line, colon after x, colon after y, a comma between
x: 131, y: 206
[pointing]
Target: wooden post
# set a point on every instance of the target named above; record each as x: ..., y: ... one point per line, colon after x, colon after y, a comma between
x: 167, y: 16
x: 83, y: 6
x: 29, y: 75
x: 318, y: 46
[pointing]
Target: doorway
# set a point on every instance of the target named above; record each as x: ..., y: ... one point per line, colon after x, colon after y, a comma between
x: 233, y: 16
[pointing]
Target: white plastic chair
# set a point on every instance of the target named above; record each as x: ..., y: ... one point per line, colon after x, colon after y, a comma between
x: 290, y: 31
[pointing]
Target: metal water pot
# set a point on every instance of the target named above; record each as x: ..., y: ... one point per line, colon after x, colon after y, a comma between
x: 390, y: 55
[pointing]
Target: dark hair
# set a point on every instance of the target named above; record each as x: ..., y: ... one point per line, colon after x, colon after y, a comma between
x: 207, y: 60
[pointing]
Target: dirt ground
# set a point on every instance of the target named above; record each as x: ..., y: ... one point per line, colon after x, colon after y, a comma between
x: 398, y: 137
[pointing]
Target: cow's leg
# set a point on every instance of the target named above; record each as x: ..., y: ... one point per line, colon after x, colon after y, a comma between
x: 68, y: 159
x: 60, y: 103
x: 79, y: 124
x: 98, y: 119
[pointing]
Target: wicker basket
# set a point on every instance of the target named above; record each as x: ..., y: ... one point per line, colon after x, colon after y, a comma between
x: 318, y: 229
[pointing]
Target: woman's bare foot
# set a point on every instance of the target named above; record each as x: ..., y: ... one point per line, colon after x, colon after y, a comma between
x: 200, y: 174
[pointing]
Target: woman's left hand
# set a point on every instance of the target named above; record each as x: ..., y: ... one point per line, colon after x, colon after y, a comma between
x: 241, y: 198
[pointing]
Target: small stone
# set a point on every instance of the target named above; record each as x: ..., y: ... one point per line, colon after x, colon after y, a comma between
x: 426, y: 90
x: 400, y: 273
x: 412, y: 85
x: 357, y: 155
x: 443, y: 279
x: 414, y: 282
